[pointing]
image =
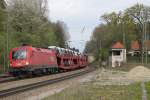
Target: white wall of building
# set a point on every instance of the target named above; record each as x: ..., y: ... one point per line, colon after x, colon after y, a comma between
x: 117, y: 60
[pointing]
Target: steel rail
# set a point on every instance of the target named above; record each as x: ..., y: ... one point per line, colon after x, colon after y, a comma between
x: 4, y: 80
x: 13, y: 91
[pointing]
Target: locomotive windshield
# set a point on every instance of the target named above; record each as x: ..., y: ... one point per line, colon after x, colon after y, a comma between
x: 19, y: 54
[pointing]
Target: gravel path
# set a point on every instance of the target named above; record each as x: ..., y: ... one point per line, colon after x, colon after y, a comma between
x: 112, y: 77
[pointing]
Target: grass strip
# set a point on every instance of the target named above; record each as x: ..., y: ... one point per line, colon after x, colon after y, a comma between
x: 96, y: 92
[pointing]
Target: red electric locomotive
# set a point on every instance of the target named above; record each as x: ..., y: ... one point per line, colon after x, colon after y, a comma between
x: 27, y: 59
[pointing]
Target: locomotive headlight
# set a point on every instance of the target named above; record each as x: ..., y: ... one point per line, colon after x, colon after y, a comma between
x: 10, y: 64
x: 27, y: 63
x: 52, y: 59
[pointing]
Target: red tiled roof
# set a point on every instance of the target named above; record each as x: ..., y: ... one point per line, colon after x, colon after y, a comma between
x: 147, y: 43
x: 135, y: 45
x: 117, y: 45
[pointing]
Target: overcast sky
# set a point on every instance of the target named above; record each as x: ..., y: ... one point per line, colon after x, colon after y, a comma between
x: 78, y: 14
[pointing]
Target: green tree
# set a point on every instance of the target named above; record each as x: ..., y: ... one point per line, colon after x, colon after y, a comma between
x: 27, y: 22
x: 124, y: 26
x: 30, y: 24
x: 2, y: 15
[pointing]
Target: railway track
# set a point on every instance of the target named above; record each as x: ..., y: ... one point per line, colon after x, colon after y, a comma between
x: 5, y: 79
x: 13, y: 91
x: 9, y: 79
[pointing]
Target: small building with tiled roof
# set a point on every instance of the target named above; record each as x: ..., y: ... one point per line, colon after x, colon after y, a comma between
x: 117, y: 45
x: 135, y: 45
x: 117, y: 54
x: 135, y: 48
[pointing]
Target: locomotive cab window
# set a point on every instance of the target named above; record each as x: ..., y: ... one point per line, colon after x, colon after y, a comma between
x: 19, y: 54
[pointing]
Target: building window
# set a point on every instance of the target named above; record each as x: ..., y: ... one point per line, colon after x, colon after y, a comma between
x: 116, y: 53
